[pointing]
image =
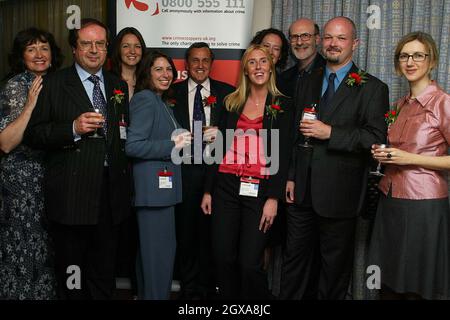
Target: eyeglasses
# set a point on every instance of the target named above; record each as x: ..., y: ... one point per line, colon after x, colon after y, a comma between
x: 416, y: 56
x: 303, y: 36
x: 86, y: 45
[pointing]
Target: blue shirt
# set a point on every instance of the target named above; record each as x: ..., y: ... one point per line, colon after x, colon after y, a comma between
x: 89, y: 85
x: 340, y: 75
x: 89, y: 88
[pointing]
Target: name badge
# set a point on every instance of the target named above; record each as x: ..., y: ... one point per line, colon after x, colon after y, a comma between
x: 249, y: 187
x: 123, y: 129
x: 165, y: 179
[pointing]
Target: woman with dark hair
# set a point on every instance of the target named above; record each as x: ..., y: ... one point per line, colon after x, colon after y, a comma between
x: 243, y: 191
x: 128, y: 51
x: 410, y: 239
x: 275, y: 41
x: 26, y: 266
x: 157, y: 180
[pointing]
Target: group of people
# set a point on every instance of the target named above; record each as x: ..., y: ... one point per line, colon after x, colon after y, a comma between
x: 86, y: 149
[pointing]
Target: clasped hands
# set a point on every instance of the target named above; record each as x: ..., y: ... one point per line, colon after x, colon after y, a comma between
x: 315, y: 129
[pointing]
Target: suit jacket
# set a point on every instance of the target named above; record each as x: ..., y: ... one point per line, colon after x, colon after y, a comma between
x: 338, y: 167
x: 74, y: 170
x: 149, y: 144
x: 290, y: 82
x: 274, y: 186
x: 181, y: 110
x: 193, y: 174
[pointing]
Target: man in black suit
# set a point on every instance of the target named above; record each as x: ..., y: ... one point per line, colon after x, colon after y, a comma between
x: 194, y: 261
x: 327, y: 182
x: 87, y: 181
x: 304, y: 36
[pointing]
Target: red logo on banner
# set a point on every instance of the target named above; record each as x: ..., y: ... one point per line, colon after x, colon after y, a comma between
x: 141, y: 6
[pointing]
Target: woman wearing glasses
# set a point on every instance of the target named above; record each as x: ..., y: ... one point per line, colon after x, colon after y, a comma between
x: 410, y: 240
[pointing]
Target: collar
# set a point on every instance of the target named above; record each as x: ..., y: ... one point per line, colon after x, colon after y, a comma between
x: 425, y: 96
x: 309, y: 67
x: 192, y: 85
x: 341, y: 73
x: 84, y: 75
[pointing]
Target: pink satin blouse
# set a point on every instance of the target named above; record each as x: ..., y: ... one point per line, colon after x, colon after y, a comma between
x: 422, y: 127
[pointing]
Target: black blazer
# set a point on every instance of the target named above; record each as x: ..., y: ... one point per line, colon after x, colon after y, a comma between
x: 274, y: 186
x: 180, y: 93
x: 74, y: 170
x: 338, y: 167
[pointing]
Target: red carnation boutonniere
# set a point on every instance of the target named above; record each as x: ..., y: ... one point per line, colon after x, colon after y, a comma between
x: 273, y: 110
x: 117, y: 96
x: 210, y: 101
x: 171, y: 102
x: 356, y: 78
x: 391, y: 116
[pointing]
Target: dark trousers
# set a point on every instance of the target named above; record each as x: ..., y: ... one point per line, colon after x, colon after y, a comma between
x: 194, y: 258
x: 90, y: 247
x: 238, y: 244
x: 310, y: 236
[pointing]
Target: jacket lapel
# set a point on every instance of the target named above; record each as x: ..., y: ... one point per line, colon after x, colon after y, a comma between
x: 182, y: 105
x: 110, y: 109
x: 76, y: 91
x: 341, y: 94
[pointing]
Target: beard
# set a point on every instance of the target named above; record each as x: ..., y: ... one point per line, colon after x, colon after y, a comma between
x: 329, y: 57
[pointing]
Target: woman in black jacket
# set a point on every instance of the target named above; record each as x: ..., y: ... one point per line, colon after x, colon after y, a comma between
x: 243, y: 190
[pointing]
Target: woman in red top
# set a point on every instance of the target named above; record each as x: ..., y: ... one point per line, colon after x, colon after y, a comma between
x: 410, y: 241
x: 242, y: 192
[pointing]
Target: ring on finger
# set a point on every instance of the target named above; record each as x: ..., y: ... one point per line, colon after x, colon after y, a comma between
x: 389, y: 155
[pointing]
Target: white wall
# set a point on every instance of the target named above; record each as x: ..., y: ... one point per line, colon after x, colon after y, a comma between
x: 262, y: 15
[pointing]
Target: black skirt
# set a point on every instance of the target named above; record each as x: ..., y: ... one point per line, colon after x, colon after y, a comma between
x: 410, y: 244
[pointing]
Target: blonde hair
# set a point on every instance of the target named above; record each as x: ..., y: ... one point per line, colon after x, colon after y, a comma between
x: 235, y: 101
x: 423, y: 38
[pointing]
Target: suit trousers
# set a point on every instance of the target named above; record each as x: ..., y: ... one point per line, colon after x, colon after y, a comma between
x: 311, y: 236
x: 238, y: 244
x: 90, y: 247
x: 156, y: 255
x: 194, y: 258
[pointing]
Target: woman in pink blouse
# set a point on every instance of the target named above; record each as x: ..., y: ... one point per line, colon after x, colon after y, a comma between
x: 410, y: 240
x: 242, y: 192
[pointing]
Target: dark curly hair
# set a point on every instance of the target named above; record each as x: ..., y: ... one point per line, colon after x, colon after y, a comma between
x: 143, y: 74
x: 259, y: 36
x: 27, y: 37
x: 116, y: 60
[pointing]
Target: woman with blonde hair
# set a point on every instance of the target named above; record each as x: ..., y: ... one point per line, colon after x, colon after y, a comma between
x: 413, y: 212
x: 242, y: 192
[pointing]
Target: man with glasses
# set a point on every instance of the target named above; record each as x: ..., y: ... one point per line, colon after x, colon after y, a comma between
x: 87, y: 181
x: 304, y: 38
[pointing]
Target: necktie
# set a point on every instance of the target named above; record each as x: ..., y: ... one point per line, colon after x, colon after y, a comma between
x: 199, y: 113
x: 98, y: 100
x: 329, y: 93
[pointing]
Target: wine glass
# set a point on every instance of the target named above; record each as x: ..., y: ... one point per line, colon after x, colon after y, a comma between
x: 377, y: 172
x: 309, y: 113
x: 96, y: 135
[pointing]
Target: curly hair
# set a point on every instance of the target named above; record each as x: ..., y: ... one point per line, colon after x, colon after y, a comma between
x: 259, y: 36
x: 27, y: 37
x: 116, y: 60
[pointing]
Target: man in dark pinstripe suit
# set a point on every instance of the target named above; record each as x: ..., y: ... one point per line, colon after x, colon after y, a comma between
x: 87, y: 182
